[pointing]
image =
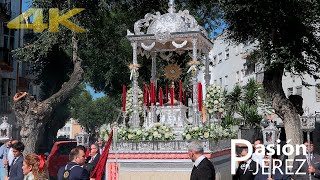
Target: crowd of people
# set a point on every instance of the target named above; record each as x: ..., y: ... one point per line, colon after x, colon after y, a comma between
x: 15, y: 166
x: 257, y: 166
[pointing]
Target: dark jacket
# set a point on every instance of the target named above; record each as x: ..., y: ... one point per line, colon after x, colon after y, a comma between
x: 16, y: 169
x: 204, y: 171
x: 90, y: 166
x: 315, y: 162
x: 246, y: 174
x: 76, y: 172
x: 276, y: 176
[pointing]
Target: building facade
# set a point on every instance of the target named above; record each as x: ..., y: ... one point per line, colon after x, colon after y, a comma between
x: 14, y: 74
x: 229, y: 67
x: 70, y: 129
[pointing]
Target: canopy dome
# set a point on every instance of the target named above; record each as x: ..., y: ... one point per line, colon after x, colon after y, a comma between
x: 173, y: 22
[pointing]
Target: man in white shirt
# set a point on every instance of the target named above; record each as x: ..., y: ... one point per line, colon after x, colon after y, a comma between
x: 8, y: 160
x: 258, y: 158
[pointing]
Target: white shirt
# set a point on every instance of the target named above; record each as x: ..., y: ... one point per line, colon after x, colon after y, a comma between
x: 10, y: 156
x: 92, y: 158
x: 198, y: 160
x: 258, y: 158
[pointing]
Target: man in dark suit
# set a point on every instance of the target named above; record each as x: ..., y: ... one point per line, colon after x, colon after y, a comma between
x: 93, y: 159
x: 312, y: 166
x: 246, y: 169
x: 16, y: 167
x: 203, y: 169
x: 73, y: 170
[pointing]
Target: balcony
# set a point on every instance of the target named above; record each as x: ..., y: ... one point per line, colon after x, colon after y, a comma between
x: 5, y: 10
x: 5, y: 104
x: 5, y: 60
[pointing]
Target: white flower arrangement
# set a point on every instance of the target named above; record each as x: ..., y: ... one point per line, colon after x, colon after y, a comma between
x: 105, y: 131
x: 159, y: 132
x: 214, y: 99
x: 214, y: 131
x: 131, y: 134
x: 155, y: 133
x: 129, y: 101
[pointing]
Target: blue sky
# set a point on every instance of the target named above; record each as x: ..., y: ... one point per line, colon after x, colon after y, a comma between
x: 94, y: 94
x: 25, y: 5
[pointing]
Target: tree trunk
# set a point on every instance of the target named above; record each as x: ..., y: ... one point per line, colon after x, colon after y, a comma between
x: 283, y: 107
x: 32, y: 116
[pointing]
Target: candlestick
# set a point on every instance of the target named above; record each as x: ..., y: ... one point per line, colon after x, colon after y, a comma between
x: 144, y: 94
x: 124, y: 95
x: 200, y: 96
x: 185, y: 98
x: 167, y: 97
x: 180, y: 91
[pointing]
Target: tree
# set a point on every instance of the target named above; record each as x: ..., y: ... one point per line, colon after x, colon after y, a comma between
x: 288, y: 41
x: 93, y: 113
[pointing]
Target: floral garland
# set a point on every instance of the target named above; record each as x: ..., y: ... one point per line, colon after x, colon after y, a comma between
x: 214, y: 99
x: 155, y: 133
x: 213, y: 131
x: 129, y: 101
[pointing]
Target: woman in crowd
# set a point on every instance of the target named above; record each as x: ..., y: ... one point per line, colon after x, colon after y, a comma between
x: 34, y: 167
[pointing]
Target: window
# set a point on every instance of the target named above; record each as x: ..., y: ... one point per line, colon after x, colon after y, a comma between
x: 214, y: 60
x: 215, y: 82
x: 299, y: 90
x: 318, y: 92
x: 290, y: 91
x: 227, y: 54
x: 237, y: 50
x: 220, y: 57
x: 65, y: 148
x: 226, y: 82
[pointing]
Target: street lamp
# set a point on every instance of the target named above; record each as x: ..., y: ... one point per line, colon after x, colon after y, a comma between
x: 5, y: 129
x: 308, y: 124
x: 270, y: 135
x: 82, y: 139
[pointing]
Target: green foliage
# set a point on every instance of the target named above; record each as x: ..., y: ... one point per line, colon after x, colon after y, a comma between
x: 286, y: 30
x: 244, y: 101
x: 91, y: 113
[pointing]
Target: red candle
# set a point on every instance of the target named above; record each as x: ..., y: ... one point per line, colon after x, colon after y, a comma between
x: 180, y: 91
x: 160, y: 97
x: 200, y: 96
x: 167, y: 97
x: 124, y: 95
x: 172, y: 96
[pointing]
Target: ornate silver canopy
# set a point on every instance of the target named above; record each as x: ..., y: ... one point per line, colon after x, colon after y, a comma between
x: 172, y: 31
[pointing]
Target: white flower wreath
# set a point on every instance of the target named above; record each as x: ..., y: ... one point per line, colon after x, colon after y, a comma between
x: 129, y: 101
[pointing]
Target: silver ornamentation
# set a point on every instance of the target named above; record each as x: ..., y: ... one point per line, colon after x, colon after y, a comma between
x: 179, y: 45
x: 148, y: 47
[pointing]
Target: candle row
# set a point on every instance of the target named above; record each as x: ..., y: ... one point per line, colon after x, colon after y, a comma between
x: 152, y: 95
